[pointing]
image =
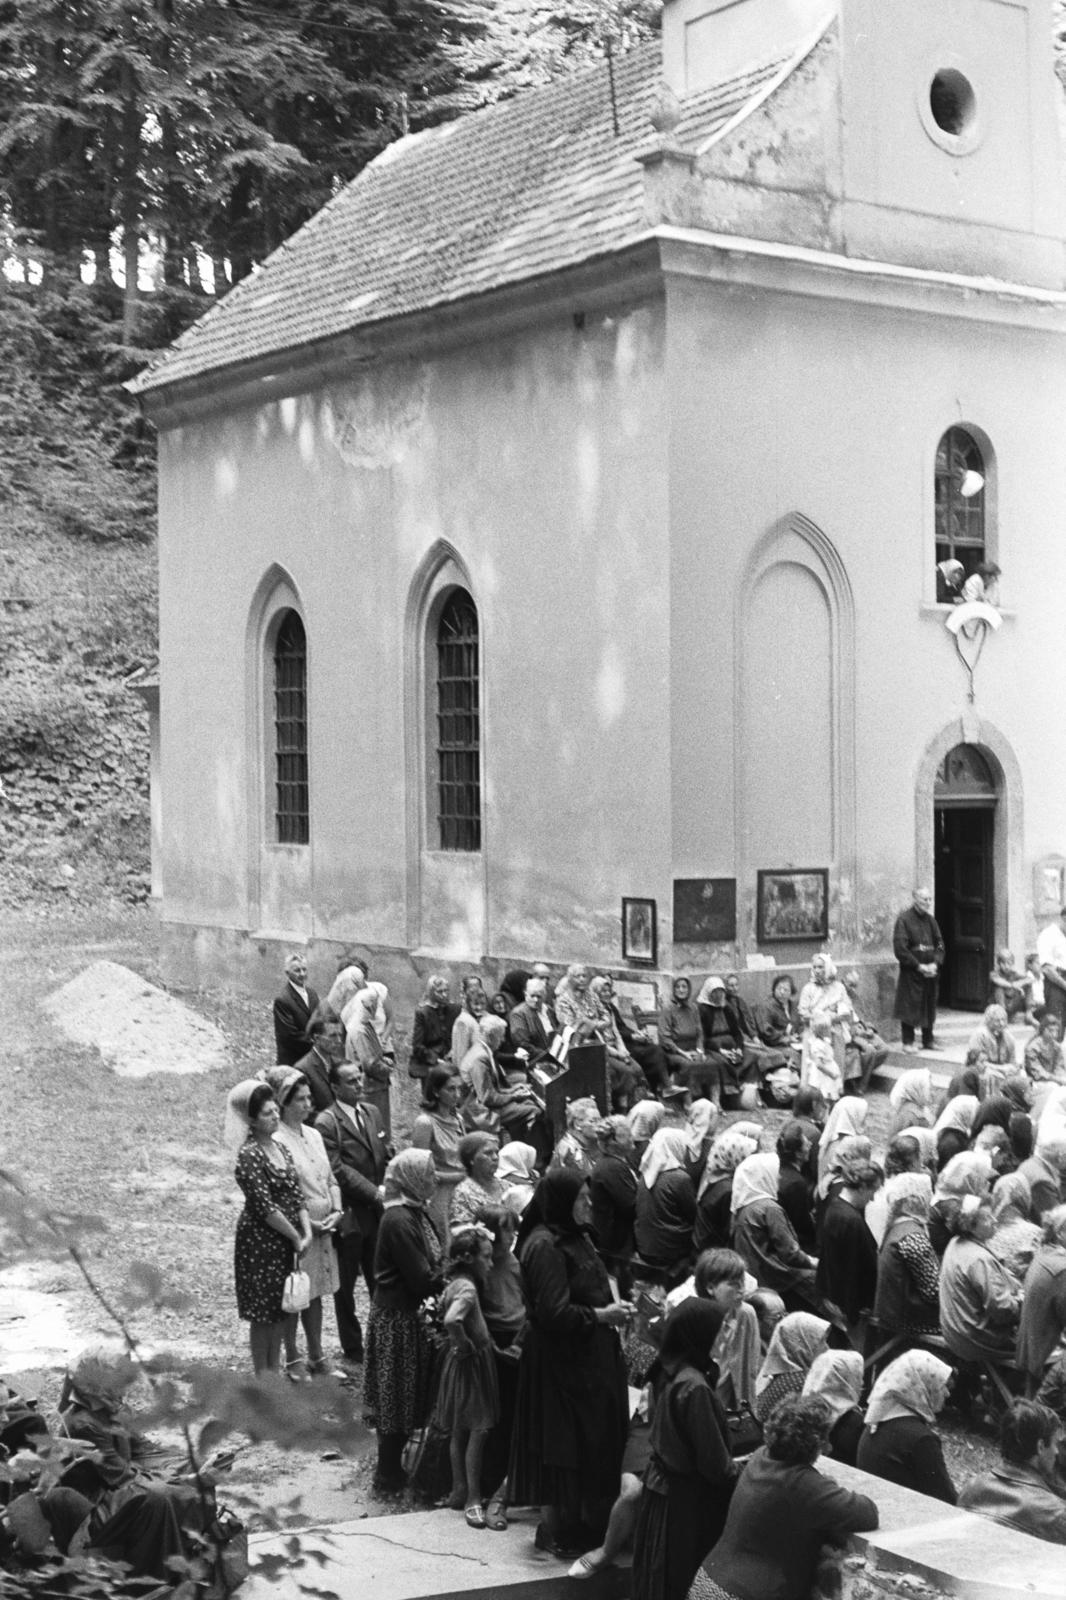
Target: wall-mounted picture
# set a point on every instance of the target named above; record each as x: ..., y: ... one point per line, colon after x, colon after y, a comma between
x: 639, y: 932
x: 793, y: 905
x: 705, y: 910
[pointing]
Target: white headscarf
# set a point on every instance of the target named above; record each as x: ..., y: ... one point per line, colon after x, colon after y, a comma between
x: 703, y: 1118
x: 645, y: 1118
x: 756, y: 1178
x: 915, y: 1385
x: 959, y: 1114
x: 237, y: 1124
x: 725, y: 1155
x: 846, y: 1121
x: 837, y: 1377
x: 517, y: 1171
x: 797, y: 1339
x: 913, y: 1088
x: 666, y: 1152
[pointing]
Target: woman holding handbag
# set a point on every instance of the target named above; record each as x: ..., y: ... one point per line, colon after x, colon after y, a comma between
x: 322, y: 1199
x: 274, y: 1223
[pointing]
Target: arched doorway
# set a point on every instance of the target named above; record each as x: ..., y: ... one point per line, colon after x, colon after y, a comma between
x: 965, y: 801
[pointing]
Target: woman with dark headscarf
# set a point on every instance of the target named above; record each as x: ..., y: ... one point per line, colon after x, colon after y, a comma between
x: 681, y: 1031
x: 1008, y: 1109
x: 407, y: 1270
x: 690, y: 1475
x: 572, y: 1411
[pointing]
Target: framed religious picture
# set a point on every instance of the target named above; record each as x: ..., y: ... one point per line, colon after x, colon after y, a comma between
x: 705, y: 910
x: 639, y: 933
x: 793, y: 905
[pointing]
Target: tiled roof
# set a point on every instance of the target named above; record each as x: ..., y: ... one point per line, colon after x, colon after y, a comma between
x: 530, y: 186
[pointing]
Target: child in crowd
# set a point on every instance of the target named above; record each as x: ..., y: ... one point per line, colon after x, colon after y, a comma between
x: 468, y: 1402
x: 1008, y: 988
x: 823, y: 1072
x: 1043, y: 1053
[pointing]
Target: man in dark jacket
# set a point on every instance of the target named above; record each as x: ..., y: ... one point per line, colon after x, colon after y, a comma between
x: 359, y: 1151
x: 1020, y: 1492
x: 919, y: 949
x: 292, y: 1012
x: 326, y: 1033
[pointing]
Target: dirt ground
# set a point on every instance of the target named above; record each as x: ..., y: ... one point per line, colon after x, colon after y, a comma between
x: 145, y: 1154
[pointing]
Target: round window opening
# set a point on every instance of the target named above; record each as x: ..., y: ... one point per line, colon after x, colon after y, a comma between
x: 952, y: 102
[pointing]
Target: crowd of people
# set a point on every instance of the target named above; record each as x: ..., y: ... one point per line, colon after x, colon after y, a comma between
x: 775, y: 1289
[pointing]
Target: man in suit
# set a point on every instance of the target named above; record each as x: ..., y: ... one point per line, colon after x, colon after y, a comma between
x: 359, y: 1151
x: 530, y: 1024
x: 327, y: 1047
x: 292, y: 1011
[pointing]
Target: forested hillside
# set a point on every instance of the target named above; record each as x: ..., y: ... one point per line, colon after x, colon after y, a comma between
x: 160, y: 148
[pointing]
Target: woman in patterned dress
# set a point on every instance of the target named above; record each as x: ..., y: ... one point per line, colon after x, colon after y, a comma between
x: 322, y: 1199
x: 272, y: 1228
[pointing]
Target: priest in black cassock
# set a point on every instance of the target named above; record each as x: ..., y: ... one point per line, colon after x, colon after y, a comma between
x: 919, y: 949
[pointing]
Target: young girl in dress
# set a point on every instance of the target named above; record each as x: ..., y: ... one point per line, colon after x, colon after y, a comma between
x: 468, y: 1402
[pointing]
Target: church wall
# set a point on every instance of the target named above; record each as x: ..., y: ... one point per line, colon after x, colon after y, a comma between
x: 784, y: 405
x: 537, y: 463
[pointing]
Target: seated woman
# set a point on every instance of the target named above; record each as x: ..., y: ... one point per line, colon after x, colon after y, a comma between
x: 794, y: 1190
x: 1043, y: 1052
x: 845, y: 1122
x: 777, y: 1022
x: 579, y: 1146
x: 645, y: 1118
x: 641, y: 1060
x: 968, y: 1173
x: 911, y: 1100
x: 782, y: 1513
x: 979, y: 1301
x: 1022, y: 1491
x: 824, y: 999
x: 763, y: 1236
x: 1007, y: 1110
x: 836, y: 1377
x: 864, y: 1048
x: 902, y: 1158
x: 431, y: 1037
x: 714, y: 1215
x: 703, y: 1118
x: 797, y: 1340
x: 908, y: 1271
x: 1043, y: 1321
x: 769, y: 1059
x: 958, y: 1116
x: 731, y: 1068
x: 1007, y: 987
x: 898, y: 1442
x: 991, y: 1040
x: 690, y: 1476
x: 466, y: 1030
x: 1016, y: 1239
x: 666, y: 1205
x: 681, y: 1032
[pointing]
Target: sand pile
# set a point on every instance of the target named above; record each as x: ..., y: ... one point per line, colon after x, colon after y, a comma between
x: 136, y: 1027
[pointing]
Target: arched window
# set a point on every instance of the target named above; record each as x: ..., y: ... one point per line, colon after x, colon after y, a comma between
x: 291, y: 809
x: 961, y: 476
x: 458, y: 725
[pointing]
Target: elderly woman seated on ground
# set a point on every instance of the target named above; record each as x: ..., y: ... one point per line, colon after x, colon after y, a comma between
x: 103, y: 1501
x: 980, y: 1303
x: 1022, y: 1491
x: 991, y: 1040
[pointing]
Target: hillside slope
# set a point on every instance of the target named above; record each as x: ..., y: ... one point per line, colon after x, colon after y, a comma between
x: 77, y: 596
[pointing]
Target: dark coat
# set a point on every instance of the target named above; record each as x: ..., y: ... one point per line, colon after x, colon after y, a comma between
x: 406, y: 1271
x: 779, y: 1519
x: 847, y: 1259
x: 613, y: 1189
x: 907, y: 1451
x: 530, y: 1030
x: 431, y: 1038
x: 714, y: 1217
x: 794, y: 1198
x: 916, y: 940
x: 1017, y: 1497
x: 666, y: 1216
x: 358, y: 1161
x: 316, y: 1071
x: 291, y: 1017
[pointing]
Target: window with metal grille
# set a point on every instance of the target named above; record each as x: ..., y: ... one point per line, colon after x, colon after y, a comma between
x: 292, y: 811
x: 960, y: 500
x: 458, y: 725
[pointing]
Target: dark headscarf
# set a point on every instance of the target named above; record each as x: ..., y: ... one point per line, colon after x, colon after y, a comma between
x: 513, y: 985
x: 556, y: 1194
x: 967, y: 1081
x: 1018, y: 1091
x: 995, y: 1112
x: 688, y: 1337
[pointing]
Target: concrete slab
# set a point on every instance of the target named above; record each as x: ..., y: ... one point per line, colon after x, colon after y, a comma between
x: 423, y: 1554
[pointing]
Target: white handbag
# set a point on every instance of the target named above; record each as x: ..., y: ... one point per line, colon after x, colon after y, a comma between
x: 296, y: 1295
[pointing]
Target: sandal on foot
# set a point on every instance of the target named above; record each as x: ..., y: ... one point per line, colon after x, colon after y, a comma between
x: 475, y: 1517
x: 495, y: 1518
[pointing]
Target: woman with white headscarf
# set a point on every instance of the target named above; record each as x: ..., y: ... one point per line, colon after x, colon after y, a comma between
x: 797, y: 1340
x: 714, y: 1212
x: 911, y: 1100
x: 517, y: 1172
x: 898, y: 1442
x: 273, y: 1230
x: 846, y: 1121
x: 836, y: 1377
x: 666, y: 1204
x: 364, y: 1046
x: 764, y: 1237
x: 825, y: 999
x: 399, y: 1356
x: 908, y: 1271
x: 703, y: 1119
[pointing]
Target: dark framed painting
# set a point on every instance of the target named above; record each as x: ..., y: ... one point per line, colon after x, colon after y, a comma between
x: 793, y: 906
x: 639, y: 932
x: 705, y: 910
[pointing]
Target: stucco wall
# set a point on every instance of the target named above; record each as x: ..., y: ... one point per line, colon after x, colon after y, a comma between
x: 783, y: 403
x: 539, y: 461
